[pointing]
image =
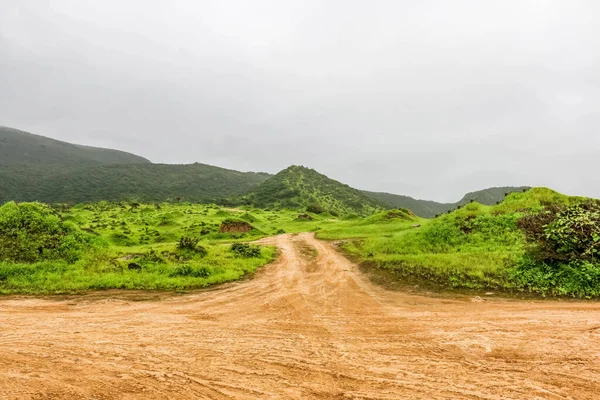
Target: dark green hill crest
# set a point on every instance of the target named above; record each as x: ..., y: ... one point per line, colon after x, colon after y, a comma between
x: 301, y: 187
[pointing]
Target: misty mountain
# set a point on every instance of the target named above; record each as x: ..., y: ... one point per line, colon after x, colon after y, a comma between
x: 429, y: 209
x: 22, y: 148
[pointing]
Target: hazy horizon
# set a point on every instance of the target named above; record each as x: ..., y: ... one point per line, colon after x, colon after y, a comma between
x: 430, y: 100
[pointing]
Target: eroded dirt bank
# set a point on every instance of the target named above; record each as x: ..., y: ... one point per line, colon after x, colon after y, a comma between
x: 305, y: 327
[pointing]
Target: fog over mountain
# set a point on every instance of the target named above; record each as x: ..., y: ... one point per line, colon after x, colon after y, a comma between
x: 430, y: 99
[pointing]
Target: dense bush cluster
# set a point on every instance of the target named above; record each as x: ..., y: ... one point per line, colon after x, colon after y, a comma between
x: 32, y: 232
x: 189, y: 271
x: 187, y: 243
x: 564, y: 234
x: 563, y: 250
x: 245, y: 250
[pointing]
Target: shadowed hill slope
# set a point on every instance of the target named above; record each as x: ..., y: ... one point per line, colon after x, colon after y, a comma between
x: 23, y: 148
x: 142, y: 182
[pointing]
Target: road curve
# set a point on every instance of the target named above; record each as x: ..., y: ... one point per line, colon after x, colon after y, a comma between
x: 308, y: 326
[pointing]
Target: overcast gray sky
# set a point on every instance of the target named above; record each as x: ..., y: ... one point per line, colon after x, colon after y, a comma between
x: 426, y: 98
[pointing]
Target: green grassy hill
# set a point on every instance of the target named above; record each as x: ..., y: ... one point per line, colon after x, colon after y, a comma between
x: 22, y: 148
x: 429, y: 209
x: 301, y: 187
x: 198, y: 183
x: 535, y: 241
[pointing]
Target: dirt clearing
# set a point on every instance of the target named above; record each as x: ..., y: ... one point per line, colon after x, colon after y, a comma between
x: 308, y: 326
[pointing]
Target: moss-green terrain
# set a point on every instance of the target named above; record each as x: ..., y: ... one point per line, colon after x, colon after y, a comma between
x: 535, y: 241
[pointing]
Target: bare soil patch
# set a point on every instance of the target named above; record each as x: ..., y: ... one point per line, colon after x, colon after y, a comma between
x: 235, y: 227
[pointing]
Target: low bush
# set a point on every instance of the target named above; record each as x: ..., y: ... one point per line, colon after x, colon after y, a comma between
x: 315, y: 208
x: 189, y: 271
x: 245, y: 250
x: 187, y: 243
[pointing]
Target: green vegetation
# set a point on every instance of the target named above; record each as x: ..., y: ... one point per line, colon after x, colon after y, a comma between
x: 22, y: 148
x: 538, y: 241
x: 118, y: 246
x: 34, y: 232
x: 430, y: 209
x: 36, y: 168
x: 301, y: 187
x: 563, y: 250
x: 535, y: 240
x: 198, y: 183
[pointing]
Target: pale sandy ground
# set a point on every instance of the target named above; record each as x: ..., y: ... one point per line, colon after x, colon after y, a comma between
x: 302, y: 328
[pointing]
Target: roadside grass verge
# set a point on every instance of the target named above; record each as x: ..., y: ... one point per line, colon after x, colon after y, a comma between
x: 163, y: 268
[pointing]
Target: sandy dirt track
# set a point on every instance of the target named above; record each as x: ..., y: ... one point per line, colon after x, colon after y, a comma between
x: 304, y: 327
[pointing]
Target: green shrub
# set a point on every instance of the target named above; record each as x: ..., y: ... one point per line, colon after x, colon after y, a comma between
x: 564, y: 234
x: 187, y: 243
x: 315, y: 208
x: 245, y: 250
x: 33, y: 232
x: 576, y: 278
x: 189, y: 271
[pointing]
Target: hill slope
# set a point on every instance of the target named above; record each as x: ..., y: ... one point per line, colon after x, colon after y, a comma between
x: 143, y: 182
x: 538, y: 241
x: 298, y: 186
x: 429, y: 209
x: 23, y: 148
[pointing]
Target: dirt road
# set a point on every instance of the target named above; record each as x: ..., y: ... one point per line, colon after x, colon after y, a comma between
x: 308, y: 326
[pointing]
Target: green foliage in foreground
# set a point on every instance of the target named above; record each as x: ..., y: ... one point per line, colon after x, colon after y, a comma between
x: 117, y: 246
x: 485, y: 248
x: 133, y: 246
x: 162, y: 268
x: 34, y: 232
x: 538, y: 241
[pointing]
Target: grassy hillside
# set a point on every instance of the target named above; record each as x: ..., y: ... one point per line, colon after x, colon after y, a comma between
x: 141, y: 182
x: 429, y: 209
x: 114, y: 246
x: 22, y: 148
x: 538, y: 241
x: 301, y: 187
x: 134, y: 246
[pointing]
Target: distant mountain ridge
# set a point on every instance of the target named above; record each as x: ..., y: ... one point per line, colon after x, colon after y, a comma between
x: 23, y: 148
x: 36, y: 168
x: 429, y: 209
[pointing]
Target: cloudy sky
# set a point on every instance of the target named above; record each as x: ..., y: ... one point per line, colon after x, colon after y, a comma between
x: 426, y: 98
